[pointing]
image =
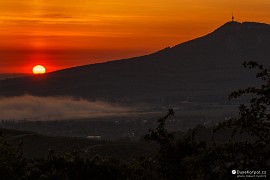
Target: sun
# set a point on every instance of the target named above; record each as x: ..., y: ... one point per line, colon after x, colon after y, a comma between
x: 39, y: 69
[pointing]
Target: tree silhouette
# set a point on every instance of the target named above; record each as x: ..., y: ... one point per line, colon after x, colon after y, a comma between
x: 177, y: 158
x: 12, y: 163
x: 253, y: 120
x: 161, y: 135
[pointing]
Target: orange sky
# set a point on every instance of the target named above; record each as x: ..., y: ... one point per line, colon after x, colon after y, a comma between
x: 65, y: 33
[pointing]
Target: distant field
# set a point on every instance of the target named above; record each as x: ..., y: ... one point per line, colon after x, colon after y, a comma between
x: 37, y: 145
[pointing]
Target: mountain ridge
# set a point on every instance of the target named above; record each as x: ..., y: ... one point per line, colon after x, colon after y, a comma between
x: 206, y: 66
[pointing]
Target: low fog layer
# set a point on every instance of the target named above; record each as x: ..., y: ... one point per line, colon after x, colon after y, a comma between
x: 55, y: 108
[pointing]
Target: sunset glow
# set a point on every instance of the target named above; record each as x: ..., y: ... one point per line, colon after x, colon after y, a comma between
x: 71, y: 33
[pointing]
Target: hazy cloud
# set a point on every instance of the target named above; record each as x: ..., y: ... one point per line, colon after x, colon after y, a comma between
x: 55, y: 16
x: 55, y: 108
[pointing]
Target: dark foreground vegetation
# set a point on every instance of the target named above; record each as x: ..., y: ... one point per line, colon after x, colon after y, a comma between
x: 187, y: 157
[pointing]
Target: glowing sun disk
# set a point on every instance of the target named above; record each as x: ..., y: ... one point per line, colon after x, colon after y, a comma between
x: 39, y: 69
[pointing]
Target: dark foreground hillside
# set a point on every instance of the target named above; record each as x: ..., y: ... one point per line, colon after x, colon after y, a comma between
x: 237, y: 147
x: 197, y: 154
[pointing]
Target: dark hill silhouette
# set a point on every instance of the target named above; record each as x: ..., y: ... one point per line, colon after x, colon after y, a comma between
x: 204, y: 69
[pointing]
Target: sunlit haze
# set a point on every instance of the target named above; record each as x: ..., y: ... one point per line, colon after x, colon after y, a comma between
x: 65, y: 33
